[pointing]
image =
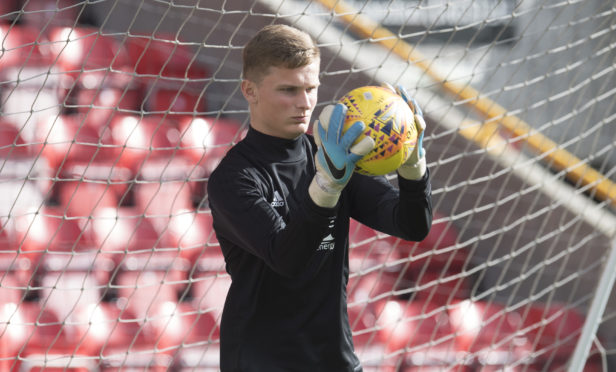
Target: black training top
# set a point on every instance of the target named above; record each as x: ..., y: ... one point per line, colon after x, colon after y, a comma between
x: 288, y: 257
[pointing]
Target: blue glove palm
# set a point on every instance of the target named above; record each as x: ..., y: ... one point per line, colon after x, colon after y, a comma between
x: 334, y: 155
x: 337, y: 155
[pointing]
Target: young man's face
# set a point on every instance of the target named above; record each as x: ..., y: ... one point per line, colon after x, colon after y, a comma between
x: 281, y: 103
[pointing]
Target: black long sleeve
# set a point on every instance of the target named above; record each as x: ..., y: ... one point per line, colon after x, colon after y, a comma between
x: 288, y: 258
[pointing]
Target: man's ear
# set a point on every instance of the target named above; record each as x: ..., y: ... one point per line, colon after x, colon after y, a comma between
x: 249, y: 90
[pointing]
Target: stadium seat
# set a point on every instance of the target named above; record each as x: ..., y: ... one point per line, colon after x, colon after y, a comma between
x: 23, y: 47
x: 82, y: 51
x: 81, y: 198
x: 14, y: 326
x: 197, y: 347
x: 100, y: 103
x: 149, y: 289
x: 131, y: 344
x: 47, y: 233
x: 123, y: 233
x: 15, y: 267
x: 418, y: 336
x: 26, y: 77
x: 12, y: 144
x: 368, y: 347
x: 106, y: 183
x: 161, y: 55
x: 95, y: 71
x: 487, y: 331
x: 67, y: 138
x: 206, y: 140
x: 191, y: 232
x: 24, y: 177
x: 170, y: 73
x: 209, y: 289
x: 53, y: 344
x: 184, y: 100
x: 70, y: 290
x: 143, y: 137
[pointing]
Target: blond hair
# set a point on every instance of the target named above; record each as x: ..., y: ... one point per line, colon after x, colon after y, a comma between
x: 278, y: 46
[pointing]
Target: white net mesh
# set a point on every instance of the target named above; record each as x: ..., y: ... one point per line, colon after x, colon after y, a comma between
x: 114, y: 113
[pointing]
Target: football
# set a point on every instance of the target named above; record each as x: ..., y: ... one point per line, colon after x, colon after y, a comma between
x: 389, y: 122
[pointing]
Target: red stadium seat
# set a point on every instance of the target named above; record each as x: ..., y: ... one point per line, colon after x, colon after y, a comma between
x: 162, y: 199
x: 12, y: 144
x: 47, y: 233
x: 82, y: 198
x: 82, y: 49
x: 67, y: 138
x: 182, y: 101
x: 14, y: 325
x: 368, y: 347
x: 99, y: 104
x: 207, y: 140
x: 104, y: 183
x: 15, y: 267
x: 53, y: 344
x: 24, y: 176
x: 419, y: 337
x: 192, y: 233
x: 123, y: 234
x: 143, y: 138
x: 26, y: 78
x: 95, y: 70
x: 72, y: 292
x: 165, y: 57
x: 171, y: 75
x: 197, y: 347
x: 22, y: 47
x: 131, y: 344
x: 489, y: 331
x: 149, y: 288
x: 209, y: 289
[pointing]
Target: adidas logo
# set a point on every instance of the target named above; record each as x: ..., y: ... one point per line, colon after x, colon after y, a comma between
x: 278, y: 200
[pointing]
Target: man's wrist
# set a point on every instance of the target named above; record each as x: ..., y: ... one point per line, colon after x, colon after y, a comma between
x: 322, y: 192
x: 413, y: 171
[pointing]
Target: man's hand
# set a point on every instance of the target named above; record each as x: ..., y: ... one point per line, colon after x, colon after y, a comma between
x: 336, y: 155
x: 415, y: 166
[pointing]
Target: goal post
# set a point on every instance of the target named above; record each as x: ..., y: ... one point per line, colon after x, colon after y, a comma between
x: 115, y: 112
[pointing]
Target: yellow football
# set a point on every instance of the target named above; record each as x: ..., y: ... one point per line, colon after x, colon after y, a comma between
x: 389, y: 122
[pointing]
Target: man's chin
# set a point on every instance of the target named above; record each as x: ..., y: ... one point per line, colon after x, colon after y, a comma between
x: 299, y: 129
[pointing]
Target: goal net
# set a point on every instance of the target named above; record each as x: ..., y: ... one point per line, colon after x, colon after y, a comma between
x: 115, y: 112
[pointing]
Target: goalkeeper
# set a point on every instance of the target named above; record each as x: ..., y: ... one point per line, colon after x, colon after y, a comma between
x: 281, y: 201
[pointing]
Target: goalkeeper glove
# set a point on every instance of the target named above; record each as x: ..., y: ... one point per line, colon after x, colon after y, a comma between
x: 415, y: 166
x: 336, y: 155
